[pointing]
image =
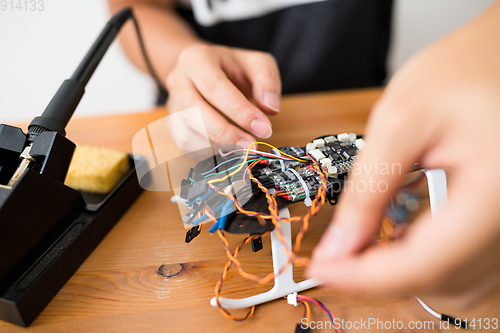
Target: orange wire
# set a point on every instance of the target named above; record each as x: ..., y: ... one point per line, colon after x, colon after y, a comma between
x: 317, y: 203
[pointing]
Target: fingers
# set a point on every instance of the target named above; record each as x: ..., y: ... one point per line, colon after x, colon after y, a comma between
x: 204, y: 69
x: 262, y: 71
x: 366, y: 194
x: 446, y: 255
x: 183, y: 95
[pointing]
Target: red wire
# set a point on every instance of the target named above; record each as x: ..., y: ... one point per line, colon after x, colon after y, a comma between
x: 300, y: 297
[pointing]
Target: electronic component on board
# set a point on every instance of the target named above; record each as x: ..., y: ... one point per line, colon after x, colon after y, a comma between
x: 292, y: 172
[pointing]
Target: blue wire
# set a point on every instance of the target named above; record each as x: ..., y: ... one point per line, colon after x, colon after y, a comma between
x: 205, y: 216
x: 221, y: 222
x: 320, y: 305
x: 327, y: 311
x: 232, y: 159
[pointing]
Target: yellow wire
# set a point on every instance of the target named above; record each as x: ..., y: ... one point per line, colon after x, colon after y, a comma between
x: 246, y: 157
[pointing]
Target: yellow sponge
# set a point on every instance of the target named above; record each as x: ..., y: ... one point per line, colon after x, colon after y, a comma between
x: 95, y: 169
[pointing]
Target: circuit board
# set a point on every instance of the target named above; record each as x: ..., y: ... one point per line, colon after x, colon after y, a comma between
x: 292, y: 172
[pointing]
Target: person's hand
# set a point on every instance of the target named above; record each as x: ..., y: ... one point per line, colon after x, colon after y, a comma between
x: 219, y: 80
x: 441, y: 110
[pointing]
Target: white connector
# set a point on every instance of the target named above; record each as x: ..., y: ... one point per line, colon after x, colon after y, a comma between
x: 360, y: 144
x: 292, y: 299
x: 310, y: 146
x: 344, y: 137
x: 330, y: 139
x: 326, y: 162
x: 332, y: 171
x: 317, y: 154
x: 319, y: 143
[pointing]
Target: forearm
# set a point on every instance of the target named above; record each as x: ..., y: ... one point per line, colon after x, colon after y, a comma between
x: 165, y: 34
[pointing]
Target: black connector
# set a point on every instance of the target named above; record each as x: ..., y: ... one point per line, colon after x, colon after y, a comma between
x: 302, y: 329
x: 256, y: 243
x: 454, y: 321
x: 192, y: 233
x: 185, y: 186
x: 190, y: 174
x: 200, y: 188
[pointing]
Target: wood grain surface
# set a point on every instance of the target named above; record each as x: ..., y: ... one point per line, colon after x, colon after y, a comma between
x: 118, y: 288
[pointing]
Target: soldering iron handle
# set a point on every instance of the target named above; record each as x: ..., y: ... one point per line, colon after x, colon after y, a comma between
x: 89, y: 63
x: 62, y: 106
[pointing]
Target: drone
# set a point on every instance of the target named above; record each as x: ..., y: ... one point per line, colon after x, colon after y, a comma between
x: 292, y: 173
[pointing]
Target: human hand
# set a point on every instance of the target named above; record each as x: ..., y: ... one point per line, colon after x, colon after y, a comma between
x: 442, y: 109
x: 219, y: 79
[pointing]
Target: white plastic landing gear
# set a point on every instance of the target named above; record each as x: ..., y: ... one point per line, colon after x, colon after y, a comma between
x: 284, y: 284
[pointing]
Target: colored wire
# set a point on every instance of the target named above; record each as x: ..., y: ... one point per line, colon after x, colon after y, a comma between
x: 246, y: 157
x: 218, y: 165
x: 257, y: 152
x: 236, y: 171
x: 282, y: 153
x: 273, y: 216
x: 307, y: 312
x: 249, y: 167
x: 322, y: 306
x: 276, y: 221
x: 234, y: 166
x: 221, y: 222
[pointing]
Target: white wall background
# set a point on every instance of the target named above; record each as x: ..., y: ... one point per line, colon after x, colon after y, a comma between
x: 40, y: 49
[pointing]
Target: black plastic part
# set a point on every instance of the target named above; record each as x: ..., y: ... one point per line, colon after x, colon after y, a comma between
x: 28, y: 214
x: 200, y: 188
x: 185, y: 186
x: 214, y: 201
x: 37, y: 278
x: 195, y: 208
x: 60, y: 109
x: 93, y: 57
x: 53, y: 153
x: 192, y: 233
x: 256, y: 244
x: 190, y: 174
x: 12, y: 140
x: 243, y: 224
x: 94, y: 201
x: 453, y: 321
x: 5, y: 174
x: 302, y: 329
x: 203, y: 166
x: 121, y: 17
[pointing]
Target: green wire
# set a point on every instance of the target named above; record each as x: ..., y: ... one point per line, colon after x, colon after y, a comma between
x: 235, y: 166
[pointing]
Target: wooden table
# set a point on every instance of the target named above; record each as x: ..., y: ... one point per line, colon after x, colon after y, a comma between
x: 118, y: 287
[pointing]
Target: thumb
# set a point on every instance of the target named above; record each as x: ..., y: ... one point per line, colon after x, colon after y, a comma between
x: 370, y: 185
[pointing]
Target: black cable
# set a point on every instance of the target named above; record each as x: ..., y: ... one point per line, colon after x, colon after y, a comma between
x: 150, y: 67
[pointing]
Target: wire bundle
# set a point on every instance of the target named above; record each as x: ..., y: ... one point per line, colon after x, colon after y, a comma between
x: 304, y: 300
x: 218, y: 184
